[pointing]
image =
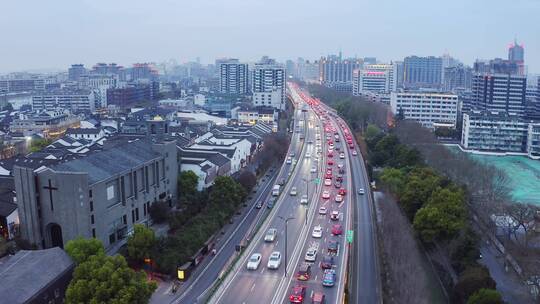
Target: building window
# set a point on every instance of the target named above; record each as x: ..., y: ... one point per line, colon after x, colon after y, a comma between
x: 144, y: 210
x: 112, y: 238
x: 92, y: 219
x: 124, y: 218
x: 91, y: 206
x: 90, y: 193
x: 94, y: 232
x: 132, y: 216
x: 136, y: 214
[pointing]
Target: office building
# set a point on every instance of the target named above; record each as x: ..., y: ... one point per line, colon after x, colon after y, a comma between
x: 85, y: 198
x: 375, y: 78
x: 457, y: 77
x: 336, y: 72
x: 143, y: 71
x: 503, y: 93
x: 18, y: 85
x: 76, y: 71
x: 422, y: 72
x: 432, y: 110
x: 497, y: 66
x: 516, y: 53
x: 233, y: 77
x: 76, y: 101
x: 500, y: 132
x: 268, y: 84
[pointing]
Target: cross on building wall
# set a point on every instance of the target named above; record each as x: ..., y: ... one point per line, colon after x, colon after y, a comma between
x: 51, y: 189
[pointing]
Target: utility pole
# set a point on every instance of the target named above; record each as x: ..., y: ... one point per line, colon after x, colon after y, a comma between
x: 286, y: 222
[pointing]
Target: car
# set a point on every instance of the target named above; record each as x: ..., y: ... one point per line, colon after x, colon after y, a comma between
x: 327, y: 262
x: 330, y: 162
x: 329, y: 278
x: 340, y: 165
x: 338, y: 198
x: 318, y: 298
x: 337, y: 148
x: 317, y: 232
x: 342, y: 192
x: 270, y: 203
x: 298, y: 294
x: 293, y: 192
x: 334, y: 216
x: 288, y: 161
x: 304, y: 199
x: 354, y: 153
x: 333, y: 247
x: 254, y: 261
x: 322, y: 210
x: 308, y: 155
x: 341, y: 171
x: 337, y: 184
x: 361, y: 191
x: 342, y: 155
x: 274, y: 260
x: 270, y: 235
x: 259, y: 205
x: 330, y: 154
x: 292, y: 154
x: 326, y: 194
x: 327, y: 182
x: 311, y: 255
x: 281, y: 182
x: 313, y: 169
x: 337, y: 229
x: 304, y: 272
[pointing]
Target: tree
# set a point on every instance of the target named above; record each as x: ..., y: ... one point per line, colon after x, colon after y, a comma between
x: 81, y: 249
x: 247, y: 179
x: 187, y: 186
x: 485, y: 296
x: 464, y: 250
x: 470, y: 281
x: 421, y: 182
x: 38, y: 144
x: 394, y: 179
x: 159, y: 212
x: 141, y: 243
x: 108, y: 279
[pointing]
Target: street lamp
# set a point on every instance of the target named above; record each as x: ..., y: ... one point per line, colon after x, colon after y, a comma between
x: 286, y: 222
x: 307, y: 193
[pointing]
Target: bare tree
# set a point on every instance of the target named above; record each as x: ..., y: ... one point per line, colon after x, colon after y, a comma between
x: 402, y: 256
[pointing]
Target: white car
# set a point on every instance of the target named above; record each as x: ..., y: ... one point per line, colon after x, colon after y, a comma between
x: 304, y: 200
x: 313, y: 169
x: 308, y: 155
x: 288, y: 161
x: 326, y: 194
x: 327, y: 182
x: 317, y: 232
x: 339, y: 198
x: 270, y: 235
x: 294, y: 192
x: 322, y: 210
x: 334, y: 216
x: 311, y: 255
x: 274, y: 261
x: 361, y: 191
x: 342, y: 155
x: 354, y: 153
x: 254, y: 261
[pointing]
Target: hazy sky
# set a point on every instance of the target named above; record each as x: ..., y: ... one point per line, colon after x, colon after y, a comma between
x: 55, y: 33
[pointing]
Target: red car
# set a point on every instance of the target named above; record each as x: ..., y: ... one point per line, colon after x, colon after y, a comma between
x: 330, y: 162
x: 298, y: 294
x: 342, y: 191
x: 330, y: 154
x: 304, y: 272
x: 337, y: 229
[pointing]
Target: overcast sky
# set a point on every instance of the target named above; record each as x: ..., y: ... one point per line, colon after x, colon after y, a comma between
x: 55, y: 33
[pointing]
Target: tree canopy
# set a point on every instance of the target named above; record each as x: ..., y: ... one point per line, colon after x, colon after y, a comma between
x: 80, y: 249
x: 141, y: 243
x: 485, y: 296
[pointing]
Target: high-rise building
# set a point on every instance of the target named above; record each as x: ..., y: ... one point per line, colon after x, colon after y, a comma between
x: 144, y: 71
x: 337, y: 73
x: 268, y: 84
x: 76, y: 71
x: 431, y: 109
x: 516, y: 53
x: 504, y: 93
x: 400, y: 73
x: 420, y: 72
x: 457, y: 77
x: 497, y: 66
x: 375, y: 78
x: 233, y: 77
x: 307, y: 70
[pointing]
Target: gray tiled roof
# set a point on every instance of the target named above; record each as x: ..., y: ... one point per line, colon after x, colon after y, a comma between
x: 105, y: 164
x: 28, y: 272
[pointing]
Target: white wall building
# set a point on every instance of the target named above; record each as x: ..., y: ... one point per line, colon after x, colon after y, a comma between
x: 74, y: 101
x: 268, y: 84
x: 430, y: 109
x: 375, y: 78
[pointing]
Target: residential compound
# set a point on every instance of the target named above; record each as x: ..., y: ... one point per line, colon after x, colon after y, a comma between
x: 76, y: 101
x: 269, y: 84
x: 233, y: 77
x: 337, y: 73
x: 431, y: 109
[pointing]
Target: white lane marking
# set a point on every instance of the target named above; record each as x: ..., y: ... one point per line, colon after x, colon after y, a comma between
x: 252, y: 287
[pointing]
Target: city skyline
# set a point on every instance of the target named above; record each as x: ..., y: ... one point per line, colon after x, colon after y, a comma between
x: 94, y: 31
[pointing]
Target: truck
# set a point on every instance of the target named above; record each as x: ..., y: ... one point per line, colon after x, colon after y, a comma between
x: 275, y: 190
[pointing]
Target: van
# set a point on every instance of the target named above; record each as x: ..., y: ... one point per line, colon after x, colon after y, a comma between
x: 275, y: 190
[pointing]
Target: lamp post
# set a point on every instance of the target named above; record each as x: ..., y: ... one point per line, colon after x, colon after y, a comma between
x: 307, y: 193
x: 286, y: 220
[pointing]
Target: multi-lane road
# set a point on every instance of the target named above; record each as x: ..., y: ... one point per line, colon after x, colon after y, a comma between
x: 323, y: 144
